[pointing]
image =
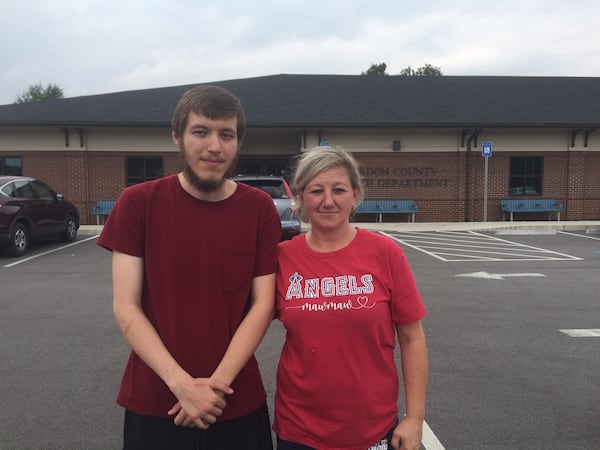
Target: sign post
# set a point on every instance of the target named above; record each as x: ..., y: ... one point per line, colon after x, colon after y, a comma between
x: 486, y: 152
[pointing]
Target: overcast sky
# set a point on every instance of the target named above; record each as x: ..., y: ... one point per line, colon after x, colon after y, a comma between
x: 101, y: 46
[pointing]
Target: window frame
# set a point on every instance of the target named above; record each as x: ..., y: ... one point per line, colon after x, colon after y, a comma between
x: 527, y: 179
x: 19, y: 166
x: 131, y: 180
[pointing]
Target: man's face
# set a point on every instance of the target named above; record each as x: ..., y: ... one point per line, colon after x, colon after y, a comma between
x: 209, y: 149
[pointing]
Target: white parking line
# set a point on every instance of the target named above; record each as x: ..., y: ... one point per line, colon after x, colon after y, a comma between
x: 498, y: 276
x: 580, y: 235
x: 430, y: 441
x: 21, y: 261
x: 582, y: 332
x: 410, y: 245
x: 474, y: 246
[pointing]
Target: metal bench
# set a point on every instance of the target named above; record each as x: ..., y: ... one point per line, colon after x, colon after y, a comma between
x: 381, y: 207
x: 102, y: 210
x: 544, y: 205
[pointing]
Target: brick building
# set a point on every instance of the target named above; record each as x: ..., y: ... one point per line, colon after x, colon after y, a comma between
x: 416, y: 138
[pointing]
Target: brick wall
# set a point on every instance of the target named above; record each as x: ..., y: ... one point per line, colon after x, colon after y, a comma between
x: 584, y: 186
x: 436, y: 181
x: 108, y: 174
x: 85, y: 177
x: 62, y: 171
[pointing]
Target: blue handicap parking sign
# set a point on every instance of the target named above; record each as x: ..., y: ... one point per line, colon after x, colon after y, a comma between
x: 486, y: 149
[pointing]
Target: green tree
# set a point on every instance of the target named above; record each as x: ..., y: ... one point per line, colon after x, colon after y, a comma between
x: 425, y: 71
x: 407, y: 72
x: 36, y: 92
x: 376, y: 69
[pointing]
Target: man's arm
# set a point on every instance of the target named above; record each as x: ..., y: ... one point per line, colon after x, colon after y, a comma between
x: 415, y: 372
x: 201, y: 398
x: 251, y: 331
x: 245, y: 340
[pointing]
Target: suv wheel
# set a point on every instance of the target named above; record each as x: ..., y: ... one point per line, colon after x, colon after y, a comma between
x: 19, y: 240
x: 70, y: 232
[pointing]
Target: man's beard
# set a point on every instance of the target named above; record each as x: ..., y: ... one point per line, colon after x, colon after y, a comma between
x: 207, y: 185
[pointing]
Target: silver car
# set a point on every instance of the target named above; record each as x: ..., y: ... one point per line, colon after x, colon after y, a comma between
x: 282, y: 197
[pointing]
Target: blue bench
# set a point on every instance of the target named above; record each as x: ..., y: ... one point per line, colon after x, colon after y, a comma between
x: 544, y: 205
x: 382, y: 207
x: 103, y: 209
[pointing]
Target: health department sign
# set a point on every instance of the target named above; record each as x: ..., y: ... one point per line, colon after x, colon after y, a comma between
x: 404, y: 177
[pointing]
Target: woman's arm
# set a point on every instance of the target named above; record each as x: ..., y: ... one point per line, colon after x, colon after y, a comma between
x: 251, y: 331
x: 415, y: 371
x: 245, y: 340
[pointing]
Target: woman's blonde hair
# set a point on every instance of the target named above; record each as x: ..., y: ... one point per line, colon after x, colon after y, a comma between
x: 319, y: 159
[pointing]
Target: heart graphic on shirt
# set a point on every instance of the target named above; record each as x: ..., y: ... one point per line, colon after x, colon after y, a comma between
x: 363, y: 302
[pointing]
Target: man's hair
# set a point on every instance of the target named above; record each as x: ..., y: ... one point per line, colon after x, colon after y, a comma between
x: 213, y: 102
x: 320, y: 159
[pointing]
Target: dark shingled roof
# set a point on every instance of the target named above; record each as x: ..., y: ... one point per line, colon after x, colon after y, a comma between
x: 301, y: 101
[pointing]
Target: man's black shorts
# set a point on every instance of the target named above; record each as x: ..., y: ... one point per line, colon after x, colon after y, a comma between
x: 252, y: 432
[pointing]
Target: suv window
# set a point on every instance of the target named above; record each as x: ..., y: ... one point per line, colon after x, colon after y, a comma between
x: 23, y: 189
x: 274, y: 188
x: 9, y: 190
x: 43, y: 191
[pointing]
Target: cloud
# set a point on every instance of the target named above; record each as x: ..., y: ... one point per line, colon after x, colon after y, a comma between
x: 91, y: 47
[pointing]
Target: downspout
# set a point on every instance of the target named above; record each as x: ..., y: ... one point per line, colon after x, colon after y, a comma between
x: 83, y: 147
x: 472, y: 139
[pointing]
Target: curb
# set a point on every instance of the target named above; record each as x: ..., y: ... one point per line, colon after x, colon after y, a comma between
x: 524, y: 227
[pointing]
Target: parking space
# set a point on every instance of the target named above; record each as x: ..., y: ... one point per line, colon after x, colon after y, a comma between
x: 454, y: 246
x: 61, y: 352
x: 504, y: 373
x: 40, y: 249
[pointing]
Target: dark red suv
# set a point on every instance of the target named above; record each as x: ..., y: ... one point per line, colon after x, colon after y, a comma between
x: 30, y: 210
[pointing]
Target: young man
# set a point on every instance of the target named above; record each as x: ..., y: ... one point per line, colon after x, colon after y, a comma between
x: 194, y: 256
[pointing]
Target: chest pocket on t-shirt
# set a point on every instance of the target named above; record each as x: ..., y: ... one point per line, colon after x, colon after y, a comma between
x: 237, y: 272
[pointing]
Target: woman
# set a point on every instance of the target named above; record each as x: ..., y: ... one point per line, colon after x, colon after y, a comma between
x: 343, y: 293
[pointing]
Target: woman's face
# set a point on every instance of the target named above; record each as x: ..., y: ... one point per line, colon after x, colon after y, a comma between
x: 328, y: 199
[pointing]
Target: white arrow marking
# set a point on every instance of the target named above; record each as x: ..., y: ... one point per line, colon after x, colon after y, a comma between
x: 498, y: 276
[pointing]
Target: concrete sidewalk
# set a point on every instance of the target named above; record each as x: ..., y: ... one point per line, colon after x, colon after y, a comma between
x: 591, y: 226
x: 525, y: 227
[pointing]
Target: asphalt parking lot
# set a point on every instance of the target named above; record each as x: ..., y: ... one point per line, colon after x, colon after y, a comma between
x: 503, y: 374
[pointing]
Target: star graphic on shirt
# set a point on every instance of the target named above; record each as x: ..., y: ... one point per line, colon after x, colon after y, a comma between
x: 296, y: 278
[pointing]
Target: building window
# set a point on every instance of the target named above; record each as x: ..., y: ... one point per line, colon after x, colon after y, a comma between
x: 526, y: 175
x: 143, y: 168
x: 11, y: 165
